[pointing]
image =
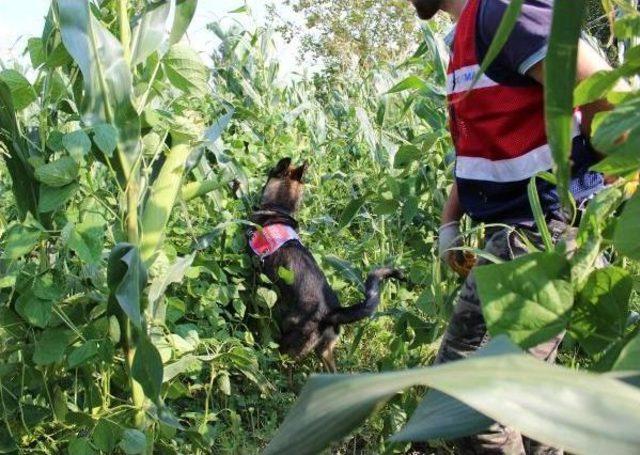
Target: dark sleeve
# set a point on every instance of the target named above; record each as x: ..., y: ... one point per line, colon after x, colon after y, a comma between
x: 527, y: 44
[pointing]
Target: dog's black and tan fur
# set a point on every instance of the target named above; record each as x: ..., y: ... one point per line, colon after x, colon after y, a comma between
x: 308, y: 310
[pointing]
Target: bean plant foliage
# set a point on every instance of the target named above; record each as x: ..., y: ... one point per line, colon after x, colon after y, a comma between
x: 131, y: 318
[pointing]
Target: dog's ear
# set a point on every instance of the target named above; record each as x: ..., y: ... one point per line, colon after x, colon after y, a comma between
x: 281, y: 168
x: 298, y: 173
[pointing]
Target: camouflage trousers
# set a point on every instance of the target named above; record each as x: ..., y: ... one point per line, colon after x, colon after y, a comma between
x: 467, y: 332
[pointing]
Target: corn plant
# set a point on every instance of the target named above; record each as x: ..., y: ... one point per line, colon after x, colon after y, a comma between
x: 99, y: 145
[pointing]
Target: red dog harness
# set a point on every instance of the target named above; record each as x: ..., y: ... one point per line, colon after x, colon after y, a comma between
x: 266, y: 241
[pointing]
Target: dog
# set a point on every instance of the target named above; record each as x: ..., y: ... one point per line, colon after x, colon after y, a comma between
x: 308, y: 311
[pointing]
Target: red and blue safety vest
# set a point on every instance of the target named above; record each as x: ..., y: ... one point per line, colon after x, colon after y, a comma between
x: 498, y: 130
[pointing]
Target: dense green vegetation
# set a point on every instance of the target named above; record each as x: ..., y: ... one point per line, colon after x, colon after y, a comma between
x: 131, y: 319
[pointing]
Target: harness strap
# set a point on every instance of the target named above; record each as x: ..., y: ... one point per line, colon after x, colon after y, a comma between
x: 266, y: 241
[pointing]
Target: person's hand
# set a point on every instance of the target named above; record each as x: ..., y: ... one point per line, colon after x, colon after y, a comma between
x: 449, y: 237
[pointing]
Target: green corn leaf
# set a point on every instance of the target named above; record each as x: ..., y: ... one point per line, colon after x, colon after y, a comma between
x: 160, y: 203
x: 528, y: 298
x: 127, y: 277
x: 548, y: 403
x: 184, y: 13
x: 629, y: 358
x: 536, y: 208
x: 107, y: 80
x: 150, y: 31
x: 559, y: 84
x: 24, y: 184
x: 440, y: 416
x: 507, y: 23
x: 147, y: 368
x: 410, y: 83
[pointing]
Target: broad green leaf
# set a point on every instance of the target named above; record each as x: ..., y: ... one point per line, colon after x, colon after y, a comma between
x: 82, y: 353
x: 578, y: 411
x: 600, y: 312
x: 150, y: 31
x: 598, y: 213
x: 174, y: 274
x: 105, y: 137
x: 7, y: 443
x: 21, y: 90
x: 147, y: 368
x: 629, y: 358
x: 133, y: 442
x: 627, y: 27
x: 77, y: 144
x: 127, y: 277
x: 87, y: 238
x: 50, y: 346
x: 106, y: 435
x: 107, y: 80
x: 186, y: 71
x: 188, y: 363
x: 20, y: 239
x: 345, y: 269
x: 286, y: 275
x: 268, y: 296
x: 528, y: 298
x: 36, y: 52
x: 80, y: 446
x: 406, y: 155
x: 36, y: 311
x: 410, y: 83
x: 350, y: 212
x: 617, y: 134
x: 159, y: 205
x: 52, y: 198
x: 625, y: 237
x: 58, y: 173
x: 184, y: 12
x: 559, y: 84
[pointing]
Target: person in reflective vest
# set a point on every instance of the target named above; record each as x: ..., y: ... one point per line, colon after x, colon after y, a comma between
x: 496, y: 121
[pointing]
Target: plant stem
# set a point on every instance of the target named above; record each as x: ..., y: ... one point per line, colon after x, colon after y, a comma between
x: 125, y: 28
x: 133, y: 235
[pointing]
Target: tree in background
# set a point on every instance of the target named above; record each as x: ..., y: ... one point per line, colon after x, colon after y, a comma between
x: 347, y: 34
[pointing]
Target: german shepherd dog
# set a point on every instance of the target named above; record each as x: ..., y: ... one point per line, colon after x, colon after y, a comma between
x: 308, y: 312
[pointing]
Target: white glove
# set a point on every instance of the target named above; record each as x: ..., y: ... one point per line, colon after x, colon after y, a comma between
x: 448, y: 237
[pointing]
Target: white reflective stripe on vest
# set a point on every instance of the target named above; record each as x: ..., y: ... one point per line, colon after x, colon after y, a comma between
x: 462, y: 79
x: 509, y: 170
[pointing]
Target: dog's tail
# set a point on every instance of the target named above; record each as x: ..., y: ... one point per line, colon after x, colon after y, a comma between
x: 371, y: 301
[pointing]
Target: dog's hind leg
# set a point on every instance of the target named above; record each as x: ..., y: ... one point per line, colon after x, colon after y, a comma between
x: 325, y: 352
